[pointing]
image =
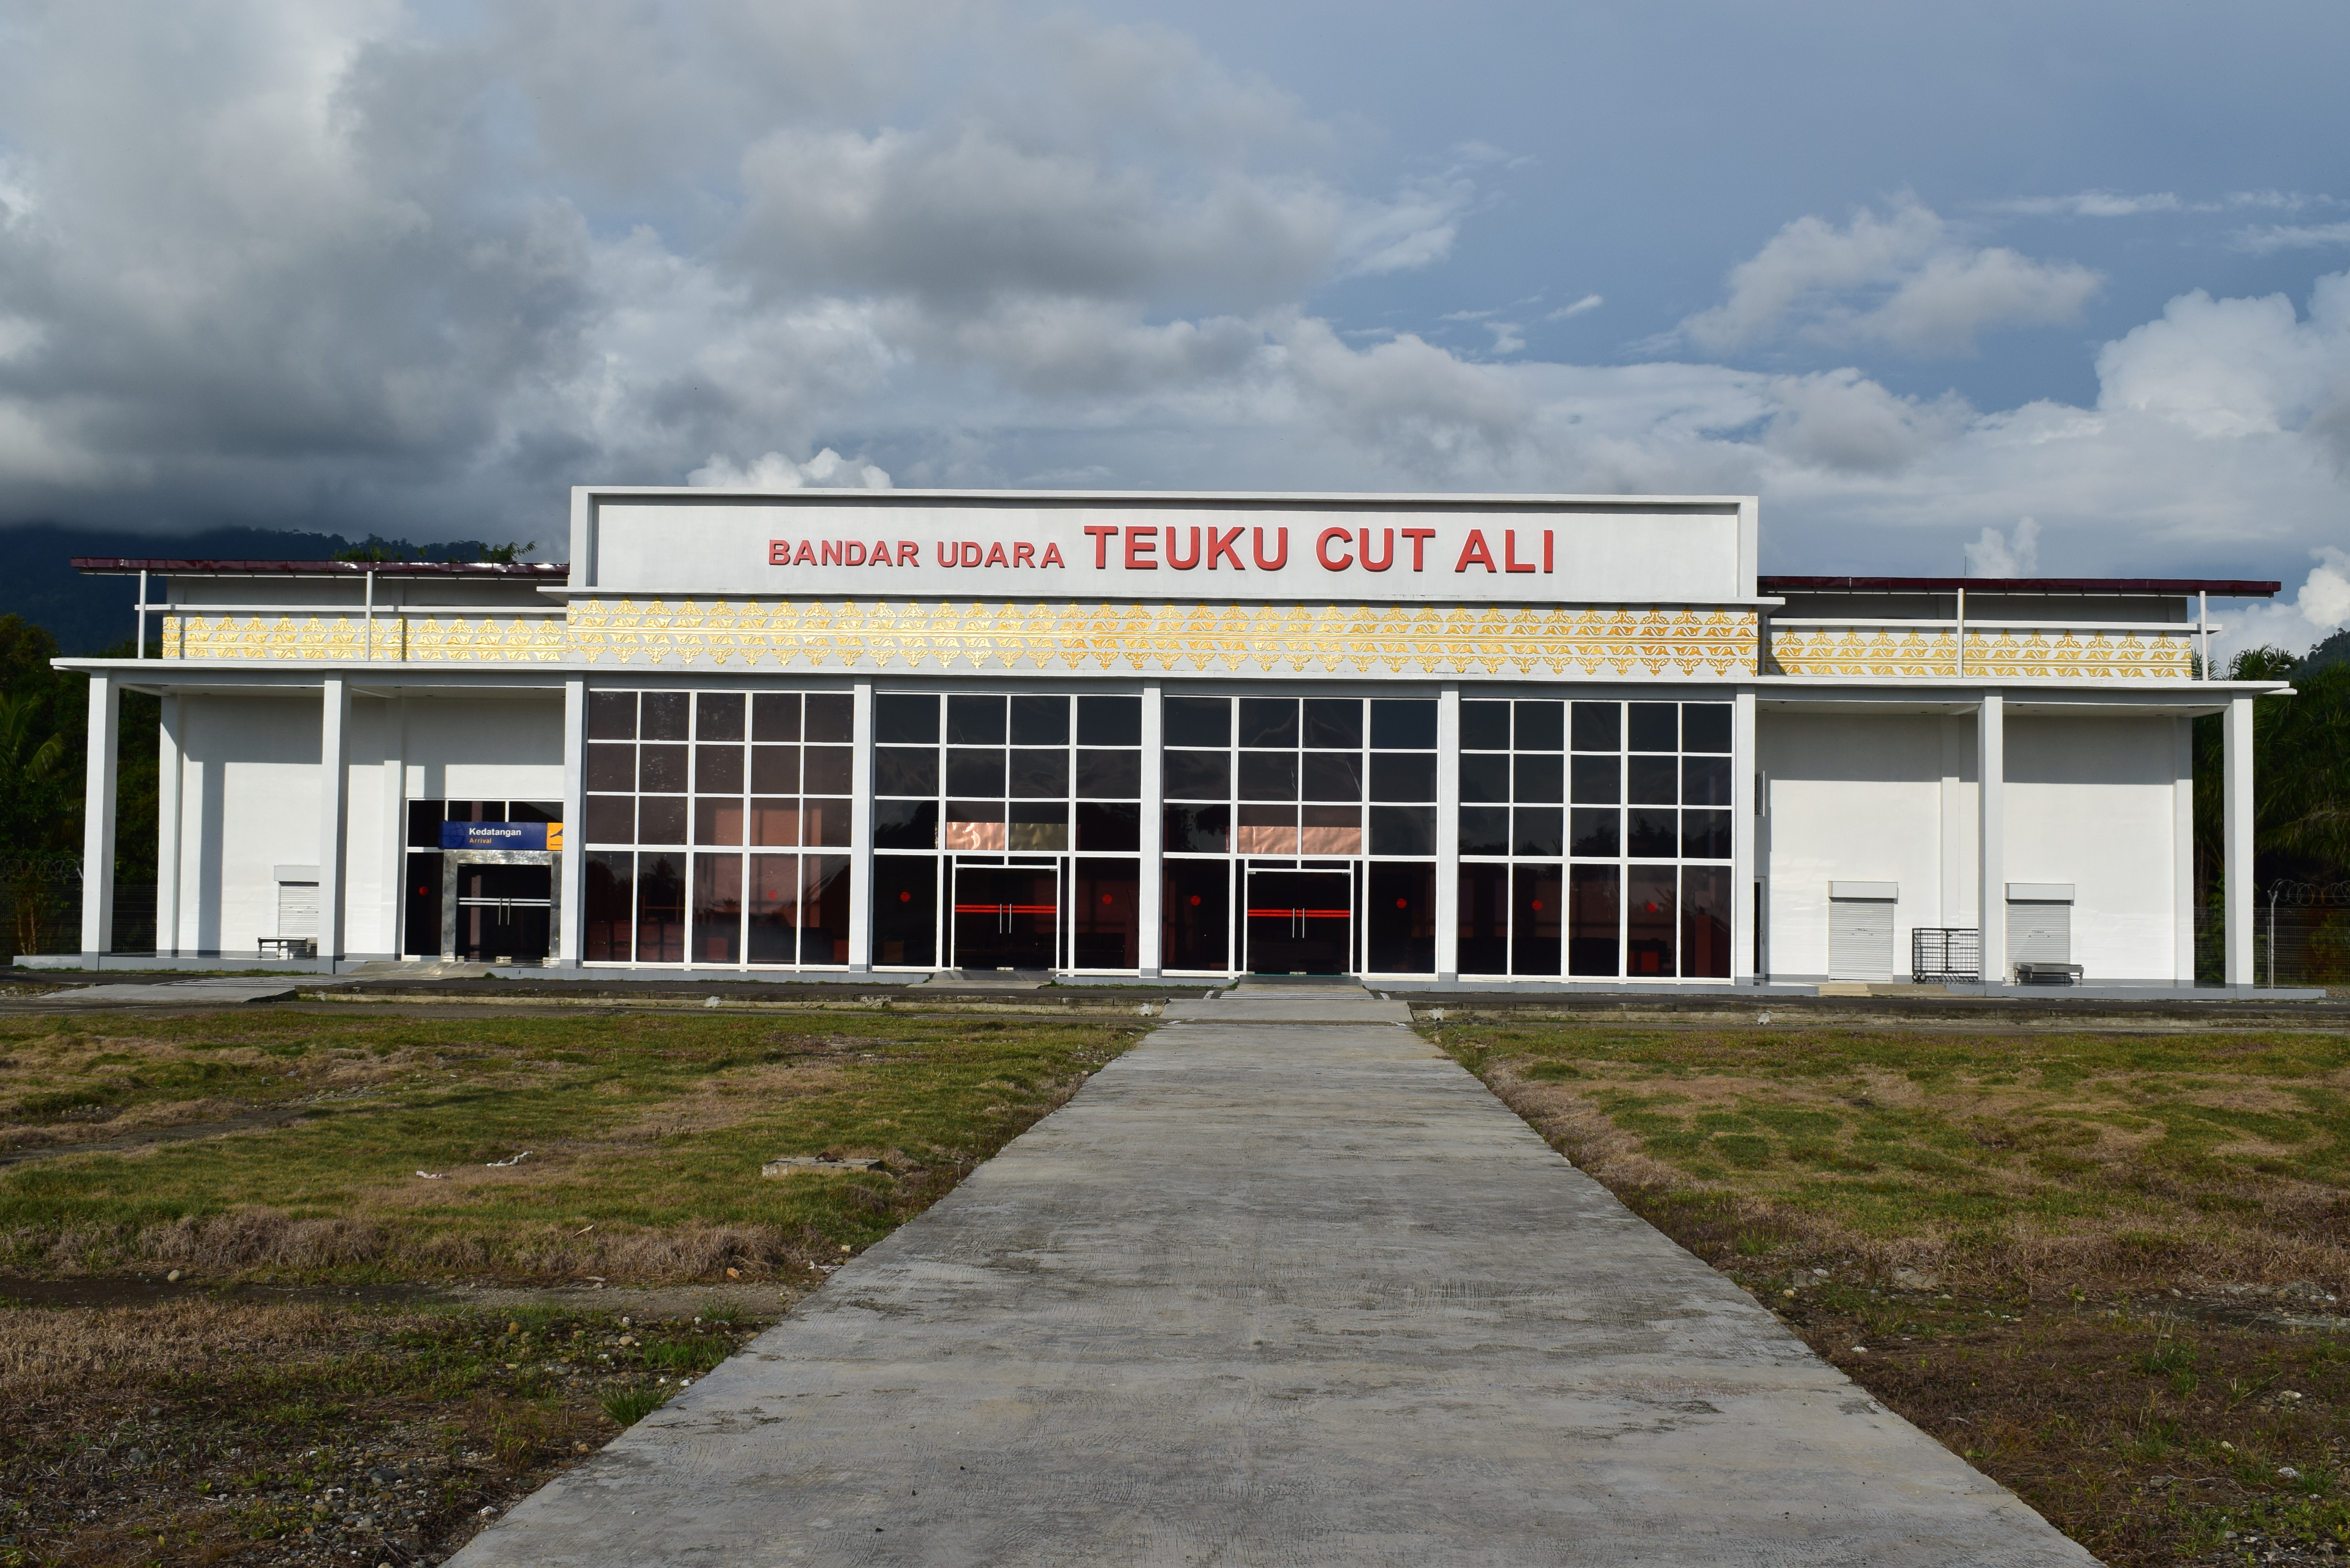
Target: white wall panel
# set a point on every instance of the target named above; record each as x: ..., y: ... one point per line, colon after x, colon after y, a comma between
x: 1852, y: 799
x: 485, y: 748
x: 259, y: 809
x: 2091, y: 802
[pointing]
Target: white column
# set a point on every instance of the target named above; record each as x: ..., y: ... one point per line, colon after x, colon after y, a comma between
x: 860, y: 835
x: 2182, y: 851
x: 1990, y: 837
x: 1745, y: 758
x: 1447, y: 833
x: 2236, y: 774
x: 167, y: 831
x: 571, y: 936
x: 1952, y: 903
x: 1154, y: 876
x: 97, y: 821
x: 392, y: 835
x: 334, y: 814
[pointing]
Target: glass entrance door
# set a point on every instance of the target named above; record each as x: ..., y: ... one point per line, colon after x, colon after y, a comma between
x: 1006, y: 916
x: 1301, y: 922
x: 503, y: 913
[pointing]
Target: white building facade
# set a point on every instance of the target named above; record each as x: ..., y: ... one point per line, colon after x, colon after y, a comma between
x: 1479, y: 740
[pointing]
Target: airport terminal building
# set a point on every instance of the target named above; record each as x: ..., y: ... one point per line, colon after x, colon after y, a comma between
x: 1473, y: 739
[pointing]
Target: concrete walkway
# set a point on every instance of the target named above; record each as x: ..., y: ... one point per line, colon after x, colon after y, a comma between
x: 1281, y: 1286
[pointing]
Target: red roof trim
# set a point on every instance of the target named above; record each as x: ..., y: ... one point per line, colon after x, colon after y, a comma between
x: 116, y: 565
x: 2230, y: 587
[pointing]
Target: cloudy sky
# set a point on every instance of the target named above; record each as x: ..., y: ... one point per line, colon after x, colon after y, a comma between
x: 2053, y: 287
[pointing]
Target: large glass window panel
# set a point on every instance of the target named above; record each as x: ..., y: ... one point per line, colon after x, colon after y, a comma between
x: 971, y: 771
x: 1198, y: 775
x: 1403, y: 830
x: 902, y: 717
x: 1600, y: 727
x: 718, y: 716
x: 1333, y: 723
x: 824, y: 909
x: 771, y: 905
x: 906, y: 825
x: 717, y: 908
x: 1538, y: 917
x: 1197, y: 830
x: 1403, y: 724
x: 660, y: 770
x: 1655, y: 727
x: 1330, y: 830
x: 1484, y: 935
x: 1040, y: 775
x: 1484, y: 830
x: 1195, y: 928
x: 661, y: 907
x: 904, y: 769
x: 776, y: 770
x: 774, y: 820
x: 1705, y: 836
x: 1267, y: 830
x: 1105, y: 915
x: 718, y: 770
x: 1597, y: 781
x: 905, y: 909
x: 1538, y: 830
x: 1399, y: 918
x: 663, y: 715
x: 1539, y: 779
x: 611, y: 819
x: 661, y: 819
x: 975, y: 720
x: 830, y: 717
x: 827, y: 770
x: 974, y: 825
x: 1403, y: 775
x: 1109, y: 721
x: 775, y: 716
x: 1541, y: 726
x: 825, y: 823
x: 1268, y: 776
x: 1705, y: 781
x: 1594, y: 831
x: 1649, y: 919
x: 1109, y: 775
x: 609, y: 768
x: 1484, y: 726
x: 1196, y: 722
x: 1333, y: 775
x: 1651, y: 833
x: 1483, y: 779
x: 1705, y: 922
x: 1038, y: 721
x: 607, y: 897
x: 1269, y: 721
x: 612, y: 715
x: 1102, y: 826
x: 1705, y: 727
x: 1037, y: 826
x: 1594, y: 914
x: 718, y: 820
x: 1651, y: 781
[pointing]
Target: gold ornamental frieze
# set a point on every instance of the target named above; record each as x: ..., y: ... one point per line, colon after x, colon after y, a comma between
x: 1254, y: 639
x: 1896, y: 652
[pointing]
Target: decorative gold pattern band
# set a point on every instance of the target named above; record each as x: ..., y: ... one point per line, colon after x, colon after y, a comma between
x: 1891, y: 652
x: 532, y: 639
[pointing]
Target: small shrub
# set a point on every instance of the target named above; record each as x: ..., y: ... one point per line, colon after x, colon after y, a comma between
x: 630, y: 1405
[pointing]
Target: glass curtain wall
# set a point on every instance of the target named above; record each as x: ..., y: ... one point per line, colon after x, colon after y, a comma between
x: 1006, y: 830
x: 716, y: 828
x: 1343, y: 784
x: 1595, y: 839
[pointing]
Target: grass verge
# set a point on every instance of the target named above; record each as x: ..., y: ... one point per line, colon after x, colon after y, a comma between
x: 2107, y: 1270
x: 625, y: 1147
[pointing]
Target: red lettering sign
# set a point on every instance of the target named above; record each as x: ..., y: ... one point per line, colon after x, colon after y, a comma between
x: 1322, y: 549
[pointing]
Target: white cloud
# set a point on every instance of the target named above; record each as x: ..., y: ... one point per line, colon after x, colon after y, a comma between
x: 2092, y: 204
x: 2013, y: 555
x: 2277, y: 237
x: 2320, y: 608
x: 773, y: 470
x: 1589, y: 302
x: 1903, y: 281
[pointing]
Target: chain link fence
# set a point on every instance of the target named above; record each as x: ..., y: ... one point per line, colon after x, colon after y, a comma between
x: 40, y: 908
x: 2300, y: 936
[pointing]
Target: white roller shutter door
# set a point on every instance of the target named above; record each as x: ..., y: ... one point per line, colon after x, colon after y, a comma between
x: 1860, y: 938
x: 297, y: 909
x: 2038, y: 932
